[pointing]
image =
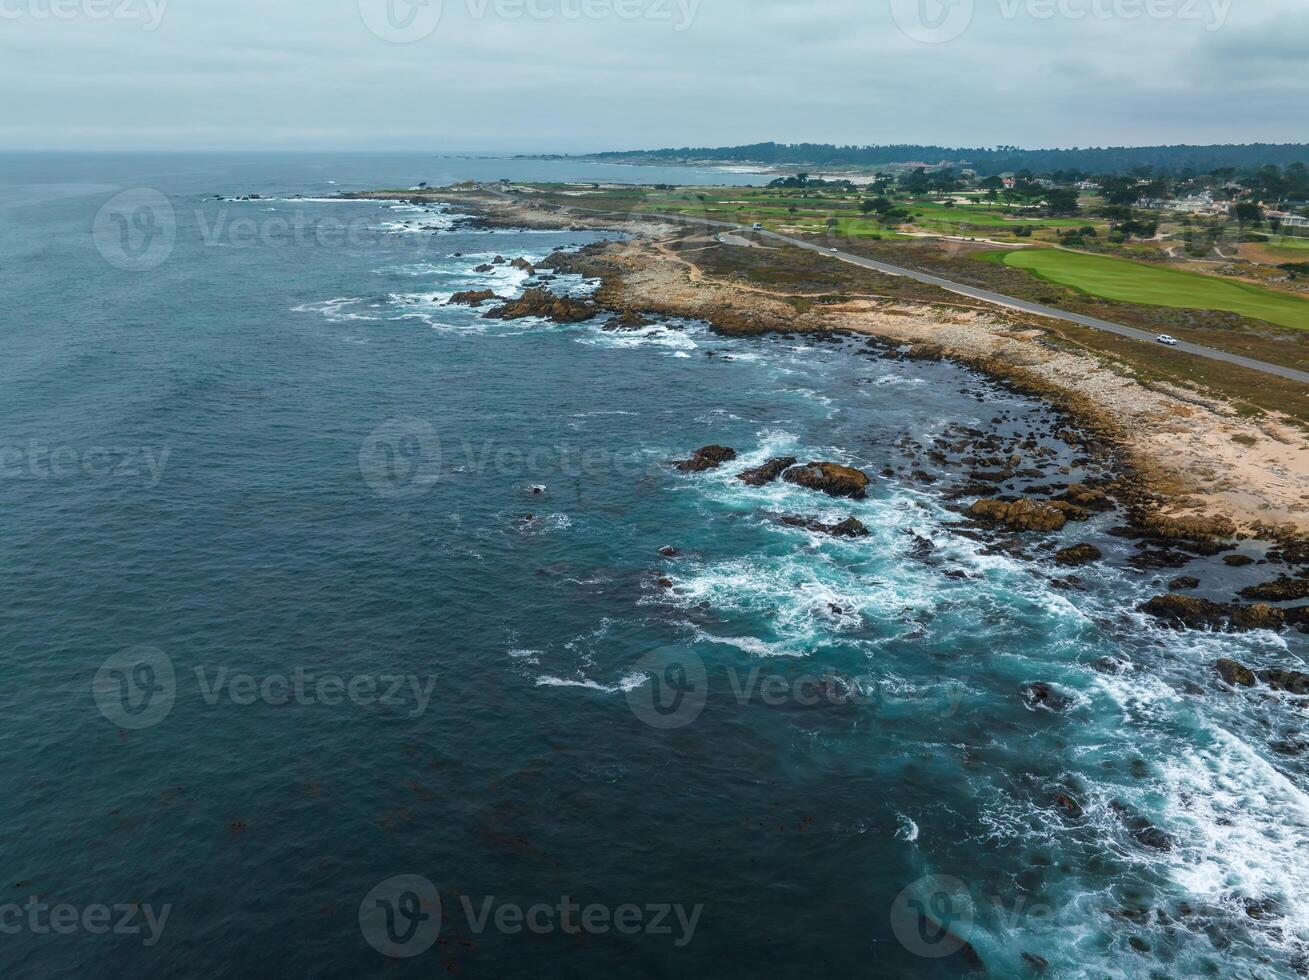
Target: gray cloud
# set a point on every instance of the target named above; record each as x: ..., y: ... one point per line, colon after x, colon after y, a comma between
x: 308, y: 74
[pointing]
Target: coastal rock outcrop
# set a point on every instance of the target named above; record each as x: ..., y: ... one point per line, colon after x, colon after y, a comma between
x: 761, y: 476
x: 1280, y: 590
x: 1260, y: 616
x: 471, y: 297
x: 1078, y: 555
x: 707, y: 458
x: 540, y: 302
x: 832, y: 479
x: 851, y: 527
x: 1235, y: 674
x: 1189, y: 612
x: 1198, y: 529
x: 1290, y: 681
x: 1025, y: 514
x: 627, y: 320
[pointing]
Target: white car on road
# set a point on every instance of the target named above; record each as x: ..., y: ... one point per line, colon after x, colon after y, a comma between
x: 1164, y: 338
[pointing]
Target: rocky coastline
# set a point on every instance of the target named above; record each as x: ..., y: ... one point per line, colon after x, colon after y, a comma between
x: 1113, y: 423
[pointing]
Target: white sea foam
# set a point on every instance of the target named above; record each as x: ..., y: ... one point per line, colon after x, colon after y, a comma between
x: 336, y: 310
x: 1241, y: 828
x: 628, y: 683
x: 908, y: 830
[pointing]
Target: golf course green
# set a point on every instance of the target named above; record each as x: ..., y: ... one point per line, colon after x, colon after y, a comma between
x: 1135, y: 282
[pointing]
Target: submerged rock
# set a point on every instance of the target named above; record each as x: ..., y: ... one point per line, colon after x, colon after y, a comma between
x: 708, y: 458
x: 1183, y: 583
x: 1020, y: 515
x: 851, y: 527
x: 761, y: 476
x: 1290, y: 681
x: 1078, y: 555
x: 1042, y: 695
x: 832, y: 479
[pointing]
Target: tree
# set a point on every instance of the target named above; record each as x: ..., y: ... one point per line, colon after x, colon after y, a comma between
x: 1061, y: 200
x: 1247, y: 213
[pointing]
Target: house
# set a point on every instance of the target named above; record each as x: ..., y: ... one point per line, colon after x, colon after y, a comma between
x: 1290, y: 220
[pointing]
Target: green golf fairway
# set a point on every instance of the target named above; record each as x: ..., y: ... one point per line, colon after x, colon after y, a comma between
x: 1134, y: 282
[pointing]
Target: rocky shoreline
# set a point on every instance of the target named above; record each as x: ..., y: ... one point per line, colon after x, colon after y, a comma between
x: 1111, y: 422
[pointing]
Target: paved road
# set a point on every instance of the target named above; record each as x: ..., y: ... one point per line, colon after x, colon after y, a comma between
x: 985, y: 295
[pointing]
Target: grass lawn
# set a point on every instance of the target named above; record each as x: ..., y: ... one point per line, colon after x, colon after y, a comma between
x: 1133, y: 282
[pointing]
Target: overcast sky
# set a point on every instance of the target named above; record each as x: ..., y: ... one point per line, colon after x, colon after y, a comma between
x: 583, y: 75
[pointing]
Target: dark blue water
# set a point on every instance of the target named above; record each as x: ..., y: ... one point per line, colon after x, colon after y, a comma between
x: 287, y: 632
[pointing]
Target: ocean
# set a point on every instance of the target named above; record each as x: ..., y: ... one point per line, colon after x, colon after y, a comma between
x: 339, y: 641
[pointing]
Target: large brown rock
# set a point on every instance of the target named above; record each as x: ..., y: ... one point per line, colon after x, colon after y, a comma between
x: 1235, y: 674
x: 540, y: 302
x: 1078, y: 555
x: 1188, y: 612
x: 832, y: 479
x: 471, y: 297
x: 1260, y: 616
x: 1184, y: 528
x: 763, y: 475
x: 1091, y: 498
x: 1281, y: 590
x: 1020, y: 515
x: 708, y: 458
